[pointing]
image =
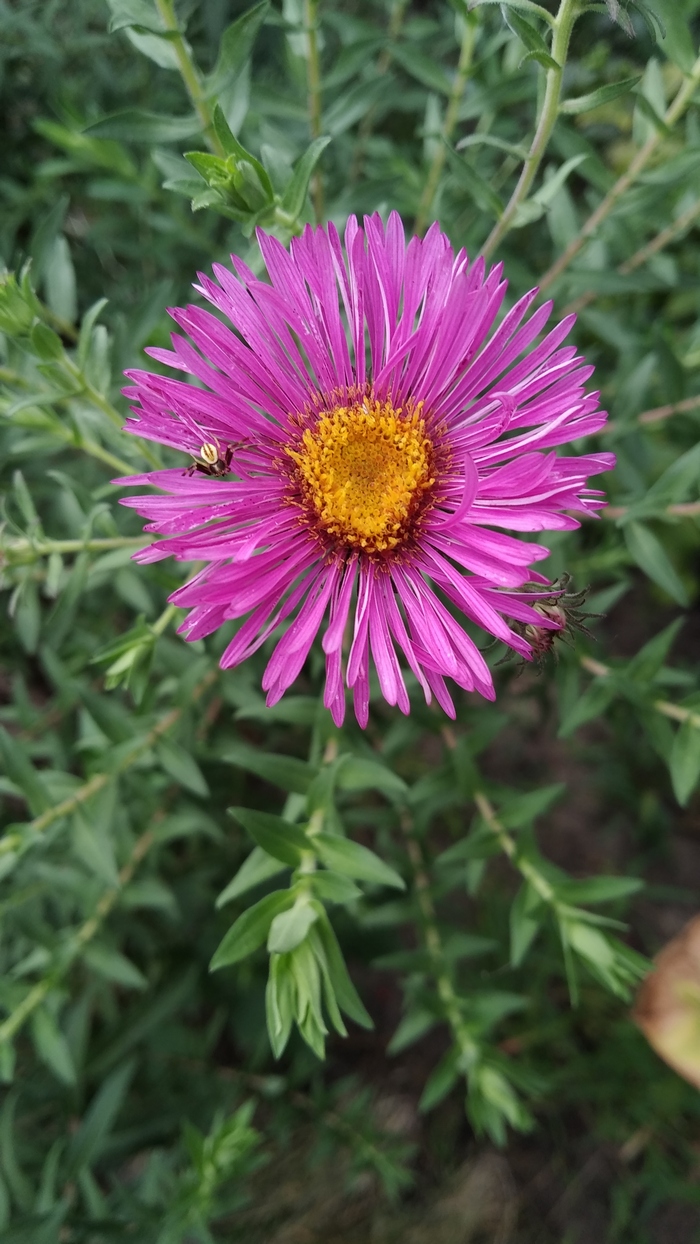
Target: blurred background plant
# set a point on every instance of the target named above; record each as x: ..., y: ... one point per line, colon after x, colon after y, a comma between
x: 497, y: 885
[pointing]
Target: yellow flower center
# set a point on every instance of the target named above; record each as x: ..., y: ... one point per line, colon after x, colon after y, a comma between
x: 364, y: 471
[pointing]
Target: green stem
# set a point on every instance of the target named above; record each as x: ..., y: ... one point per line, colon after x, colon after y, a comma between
x: 466, y: 55
x: 190, y: 75
x: 383, y: 62
x: 623, y: 183
x: 84, y: 934
x: 468, y: 1047
x: 14, y: 552
x: 313, y: 84
x: 562, y: 27
x: 507, y: 843
x: 163, y: 622
x: 103, y: 404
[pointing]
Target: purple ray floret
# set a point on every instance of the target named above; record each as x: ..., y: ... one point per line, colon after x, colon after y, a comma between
x: 358, y: 440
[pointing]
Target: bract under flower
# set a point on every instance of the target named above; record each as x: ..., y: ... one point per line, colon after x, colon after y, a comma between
x: 360, y: 441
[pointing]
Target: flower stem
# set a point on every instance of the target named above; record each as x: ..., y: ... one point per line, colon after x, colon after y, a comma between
x: 313, y: 84
x: 466, y: 55
x: 190, y: 75
x: 562, y: 27
x: 623, y: 183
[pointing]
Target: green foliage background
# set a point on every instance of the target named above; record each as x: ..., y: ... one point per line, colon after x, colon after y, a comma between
x: 142, y: 1100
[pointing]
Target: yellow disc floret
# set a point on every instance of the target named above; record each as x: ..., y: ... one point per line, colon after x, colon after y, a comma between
x: 364, y: 471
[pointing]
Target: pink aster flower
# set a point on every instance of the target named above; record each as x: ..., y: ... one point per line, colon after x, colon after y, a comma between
x: 361, y: 437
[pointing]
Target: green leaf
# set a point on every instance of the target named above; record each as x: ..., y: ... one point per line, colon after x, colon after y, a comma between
x: 289, y: 929
x: 155, y: 47
x: 250, y: 929
x: 46, y: 344
x: 523, y: 925
x: 525, y: 6
x: 21, y: 771
x: 51, y: 1045
x: 551, y: 187
x: 280, y: 839
x: 258, y: 867
x: 675, y: 37
x: 279, y: 1004
x: 541, y: 58
x: 87, y: 1143
x: 232, y: 147
x: 93, y: 844
x: 521, y: 810
x: 411, y: 1028
x: 528, y: 34
x: 591, y: 704
x: 598, y: 889
x: 20, y: 1186
x: 295, y: 194
x: 287, y: 772
x: 603, y: 95
x: 685, y: 762
x: 114, y: 966
x: 361, y: 773
x: 353, y: 860
x: 476, y: 186
x: 235, y: 48
x: 650, y: 659
x: 333, y: 888
x: 137, y: 13
x: 651, y: 556
x: 420, y: 66
x: 135, y: 125
x: 441, y: 1081
x: 347, y: 996
x: 181, y: 766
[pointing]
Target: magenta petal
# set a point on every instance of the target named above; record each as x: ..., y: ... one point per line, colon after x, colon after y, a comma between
x: 331, y: 324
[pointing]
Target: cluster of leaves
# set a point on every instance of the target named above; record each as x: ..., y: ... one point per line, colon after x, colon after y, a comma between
x: 122, y: 748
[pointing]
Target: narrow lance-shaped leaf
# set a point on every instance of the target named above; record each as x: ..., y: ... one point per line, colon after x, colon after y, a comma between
x: 295, y: 194
x: 235, y: 48
x: 250, y: 929
x: 354, y: 860
x: 280, y: 839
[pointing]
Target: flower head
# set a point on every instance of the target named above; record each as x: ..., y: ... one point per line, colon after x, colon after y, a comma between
x: 359, y: 441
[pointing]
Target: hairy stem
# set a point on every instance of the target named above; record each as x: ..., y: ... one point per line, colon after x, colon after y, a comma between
x: 466, y: 55
x: 190, y: 75
x: 623, y: 183
x: 562, y: 28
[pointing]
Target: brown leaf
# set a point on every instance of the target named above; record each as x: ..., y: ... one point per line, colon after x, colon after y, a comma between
x: 667, y: 1008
